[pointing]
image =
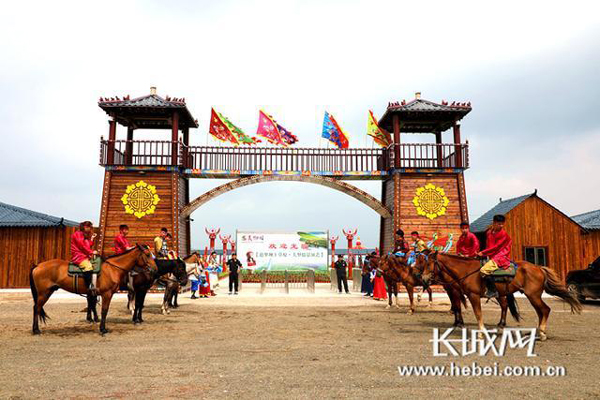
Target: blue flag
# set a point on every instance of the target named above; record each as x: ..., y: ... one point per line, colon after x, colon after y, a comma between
x: 333, y: 132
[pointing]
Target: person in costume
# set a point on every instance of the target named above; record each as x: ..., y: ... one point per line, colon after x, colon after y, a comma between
x: 418, y: 246
x: 194, y: 276
x: 379, y: 292
x: 400, y: 245
x: 121, y: 243
x: 214, y: 269
x: 82, y: 254
x: 160, y: 244
x: 366, y: 284
x: 497, y: 249
x: 468, y: 244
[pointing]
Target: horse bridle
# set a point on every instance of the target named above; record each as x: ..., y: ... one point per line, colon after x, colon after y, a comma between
x: 455, y: 279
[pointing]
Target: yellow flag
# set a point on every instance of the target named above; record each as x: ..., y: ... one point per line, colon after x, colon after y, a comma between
x: 375, y: 132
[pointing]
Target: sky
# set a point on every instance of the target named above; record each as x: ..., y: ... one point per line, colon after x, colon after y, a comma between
x: 529, y: 69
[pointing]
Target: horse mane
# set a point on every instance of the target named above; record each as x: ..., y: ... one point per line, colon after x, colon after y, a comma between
x: 123, y: 253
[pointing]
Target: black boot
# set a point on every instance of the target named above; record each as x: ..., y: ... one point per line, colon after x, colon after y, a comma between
x: 491, y: 292
x: 193, y: 295
x: 87, y: 278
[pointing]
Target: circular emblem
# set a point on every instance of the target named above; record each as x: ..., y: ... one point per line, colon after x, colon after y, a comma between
x: 140, y: 199
x: 430, y: 201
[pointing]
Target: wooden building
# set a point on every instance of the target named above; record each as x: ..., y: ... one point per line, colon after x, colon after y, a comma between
x: 542, y: 234
x: 591, y: 242
x: 28, y: 237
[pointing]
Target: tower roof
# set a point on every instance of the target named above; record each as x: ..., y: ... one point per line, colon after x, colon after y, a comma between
x: 147, y: 112
x: 423, y: 116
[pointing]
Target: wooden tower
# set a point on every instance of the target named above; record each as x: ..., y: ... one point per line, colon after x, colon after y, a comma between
x: 426, y: 188
x: 143, y: 183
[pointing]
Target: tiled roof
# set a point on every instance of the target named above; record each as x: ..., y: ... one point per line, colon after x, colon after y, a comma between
x: 151, y: 100
x: 424, y: 116
x: 426, y: 105
x: 12, y: 216
x: 482, y: 223
x: 589, y: 220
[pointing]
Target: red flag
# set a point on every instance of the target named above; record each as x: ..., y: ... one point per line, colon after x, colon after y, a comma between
x: 219, y: 129
x: 267, y: 128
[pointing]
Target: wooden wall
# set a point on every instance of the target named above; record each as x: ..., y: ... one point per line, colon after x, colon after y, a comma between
x: 141, y: 230
x: 407, y: 217
x: 535, y: 223
x: 20, y: 248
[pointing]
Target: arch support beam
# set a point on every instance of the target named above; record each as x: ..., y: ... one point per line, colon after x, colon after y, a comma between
x: 335, y: 184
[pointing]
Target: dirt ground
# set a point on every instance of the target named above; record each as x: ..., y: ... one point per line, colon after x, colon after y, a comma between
x: 298, y: 346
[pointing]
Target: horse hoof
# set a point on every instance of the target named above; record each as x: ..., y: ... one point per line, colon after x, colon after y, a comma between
x: 430, y: 304
x: 104, y: 332
x: 410, y: 312
x: 36, y: 332
x: 543, y: 337
x: 480, y: 335
x: 388, y: 307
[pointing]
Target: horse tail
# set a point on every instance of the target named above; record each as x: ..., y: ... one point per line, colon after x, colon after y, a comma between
x: 554, y: 286
x: 34, y: 293
x: 513, y: 307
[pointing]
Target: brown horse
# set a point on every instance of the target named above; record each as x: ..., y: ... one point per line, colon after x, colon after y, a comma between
x: 396, y: 271
x: 463, y: 273
x: 172, y: 287
x: 49, y: 276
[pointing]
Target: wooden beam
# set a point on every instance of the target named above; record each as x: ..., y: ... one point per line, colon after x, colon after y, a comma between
x: 174, y: 138
x: 396, y: 126
x: 457, y: 147
x: 129, y: 146
x: 112, y: 136
x: 438, y: 141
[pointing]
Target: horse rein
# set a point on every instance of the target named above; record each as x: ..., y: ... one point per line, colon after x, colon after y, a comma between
x: 455, y: 279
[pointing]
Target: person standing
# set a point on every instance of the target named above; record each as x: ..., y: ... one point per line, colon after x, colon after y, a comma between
x: 340, y: 270
x: 214, y: 269
x: 233, y: 265
x: 379, y: 292
x: 367, y: 286
x: 468, y: 244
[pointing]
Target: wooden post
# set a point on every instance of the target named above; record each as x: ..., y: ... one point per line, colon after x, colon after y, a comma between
x: 186, y: 143
x: 129, y: 146
x: 174, y: 138
x: 396, y: 126
x: 457, y: 146
x: 438, y: 141
x: 112, y: 136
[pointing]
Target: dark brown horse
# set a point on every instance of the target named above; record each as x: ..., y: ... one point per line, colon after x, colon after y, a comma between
x: 463, y: 273
x: 144, y: 280
x: 49, y: 276
x: 172, y: 287
x: 396, y: 271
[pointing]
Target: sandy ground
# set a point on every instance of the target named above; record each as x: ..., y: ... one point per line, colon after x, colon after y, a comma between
x: 301, y: 345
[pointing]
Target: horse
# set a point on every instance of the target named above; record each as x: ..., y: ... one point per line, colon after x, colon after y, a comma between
x: 172, y: 287
x: 144, y: 280
x: 47, y: 277
x: 463, y: 273
x: 395, y: 270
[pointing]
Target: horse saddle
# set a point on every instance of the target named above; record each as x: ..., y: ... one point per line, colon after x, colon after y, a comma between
x: 505, y: 275
x: 74, y: 269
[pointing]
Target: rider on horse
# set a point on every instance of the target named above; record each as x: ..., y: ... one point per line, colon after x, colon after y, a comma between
x: 400, y: 245
x: 418, y: 246
x: 161, y: 247
x: 498, y: 245
x: 121, y: 246
x: 468, y: 244
x: 81, y: 253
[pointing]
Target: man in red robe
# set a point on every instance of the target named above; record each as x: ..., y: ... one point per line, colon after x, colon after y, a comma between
x: 468, y: 244
x: 81, y: 253
x: 498, y: 250
x: 121, y: 242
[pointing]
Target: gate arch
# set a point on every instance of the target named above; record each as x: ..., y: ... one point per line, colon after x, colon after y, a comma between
x: 335, y: 184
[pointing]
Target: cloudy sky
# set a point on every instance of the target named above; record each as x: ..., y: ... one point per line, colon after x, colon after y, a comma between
x: 530, y: 70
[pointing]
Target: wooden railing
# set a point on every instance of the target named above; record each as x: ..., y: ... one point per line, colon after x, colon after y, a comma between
x: 285, y: 159
x: 167, y: 153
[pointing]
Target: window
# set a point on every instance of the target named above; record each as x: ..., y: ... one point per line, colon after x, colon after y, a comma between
x: 536, y: 255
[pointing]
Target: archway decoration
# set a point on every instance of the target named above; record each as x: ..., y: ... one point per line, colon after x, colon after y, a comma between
x: 335, y: 184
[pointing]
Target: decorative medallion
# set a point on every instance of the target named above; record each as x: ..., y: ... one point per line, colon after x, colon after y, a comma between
x: 431, y: 201
x: 140, y: 199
